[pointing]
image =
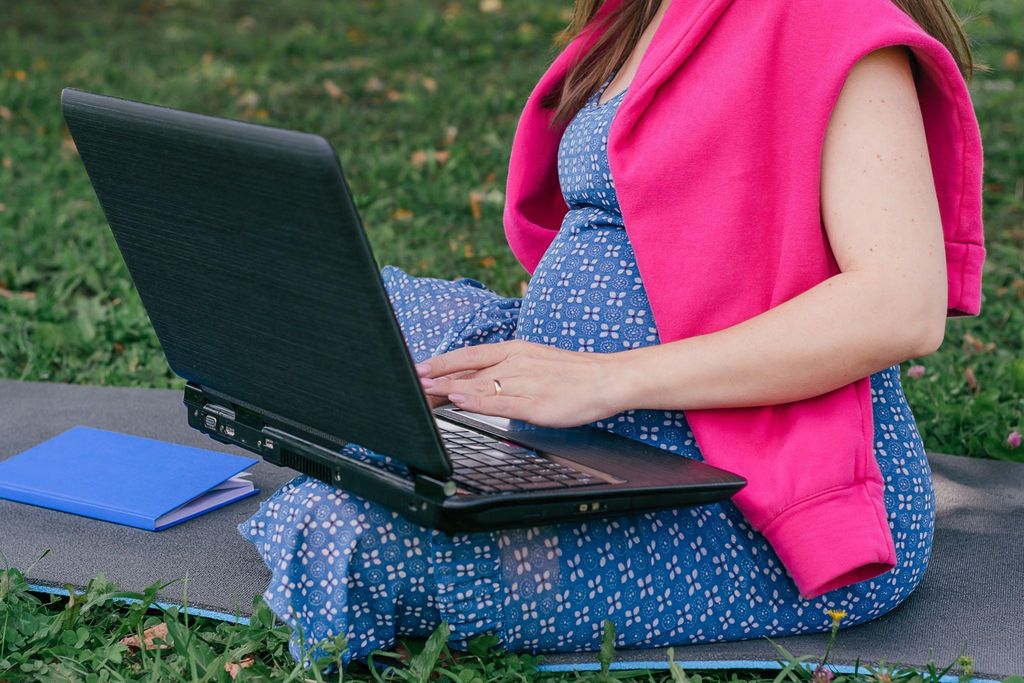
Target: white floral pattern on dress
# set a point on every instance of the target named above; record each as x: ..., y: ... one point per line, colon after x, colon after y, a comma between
x: 344, y: 565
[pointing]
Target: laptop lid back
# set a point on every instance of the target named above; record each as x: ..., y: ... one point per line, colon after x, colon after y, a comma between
x: 248, y: 253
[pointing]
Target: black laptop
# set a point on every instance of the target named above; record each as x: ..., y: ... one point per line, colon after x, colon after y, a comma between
x: 250, y: 258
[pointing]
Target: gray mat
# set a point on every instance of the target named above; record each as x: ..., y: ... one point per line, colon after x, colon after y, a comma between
x: 971, y: 599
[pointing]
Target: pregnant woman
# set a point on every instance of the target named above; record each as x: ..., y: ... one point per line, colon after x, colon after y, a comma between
x: 739, y: 218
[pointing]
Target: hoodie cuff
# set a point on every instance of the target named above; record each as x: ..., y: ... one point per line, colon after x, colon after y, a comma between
x: 824, y: 547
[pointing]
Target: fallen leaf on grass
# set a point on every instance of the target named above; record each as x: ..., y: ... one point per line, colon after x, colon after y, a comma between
x: 1011, y: 60
x: 148, y: 637
x: 402, y: 214
x: 490, y: 6
x: 5, y: 113
x: 333, y: 91
x: 249, y: 99
x: 234, y: 669
x: 8, y: 294
x: 419, y: 157
x: 972, y: 343
x: 972, y: 381
x: 474, y: 205
x: 488, y: 261
x: 358, y: 63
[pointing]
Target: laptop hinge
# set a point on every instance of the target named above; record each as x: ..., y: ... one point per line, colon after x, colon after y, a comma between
x: 432, y: 488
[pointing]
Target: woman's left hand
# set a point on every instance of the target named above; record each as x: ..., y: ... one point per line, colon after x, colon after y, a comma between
x: 541, y: 384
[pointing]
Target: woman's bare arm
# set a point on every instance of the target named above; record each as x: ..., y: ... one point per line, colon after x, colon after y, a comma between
x: 888, y: 304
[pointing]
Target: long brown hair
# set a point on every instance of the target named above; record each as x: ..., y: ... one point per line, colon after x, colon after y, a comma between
x: 624, y: 25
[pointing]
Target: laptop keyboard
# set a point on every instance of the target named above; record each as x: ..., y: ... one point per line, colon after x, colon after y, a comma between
x: 490, y: 465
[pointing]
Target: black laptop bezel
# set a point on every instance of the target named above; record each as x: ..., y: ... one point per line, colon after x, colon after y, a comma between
x: 124, y: 144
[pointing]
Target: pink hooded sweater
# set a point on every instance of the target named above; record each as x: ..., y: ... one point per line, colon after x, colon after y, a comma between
x: 716, y: 156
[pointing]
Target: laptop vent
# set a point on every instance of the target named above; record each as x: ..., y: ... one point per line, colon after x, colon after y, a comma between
x: 297, y: 461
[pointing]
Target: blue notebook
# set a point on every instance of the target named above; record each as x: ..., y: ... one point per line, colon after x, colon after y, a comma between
x: 125, y: 479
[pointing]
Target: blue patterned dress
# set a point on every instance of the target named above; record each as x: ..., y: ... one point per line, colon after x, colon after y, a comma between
x: 344, y: 565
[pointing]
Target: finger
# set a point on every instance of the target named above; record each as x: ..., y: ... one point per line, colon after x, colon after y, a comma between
x: 481, y: 383
x: 475, y: 357
x: 512, y: 407
x: 436, y: 401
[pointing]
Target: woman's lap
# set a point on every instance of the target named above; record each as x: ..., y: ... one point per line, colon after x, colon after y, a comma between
x: 345, y: 565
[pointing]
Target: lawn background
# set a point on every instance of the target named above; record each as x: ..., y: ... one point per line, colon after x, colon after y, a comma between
x: 420, y: 98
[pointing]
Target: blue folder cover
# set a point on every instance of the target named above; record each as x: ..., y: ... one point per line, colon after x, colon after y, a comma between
x: 131, y: 480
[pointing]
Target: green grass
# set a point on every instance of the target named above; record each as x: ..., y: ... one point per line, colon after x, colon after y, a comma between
x: 388, y: 83
x: 80, y: 639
